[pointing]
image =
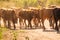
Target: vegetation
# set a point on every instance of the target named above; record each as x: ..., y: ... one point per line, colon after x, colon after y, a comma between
x: 28, y: 3
x: 1, y: 31
x: 0, y: 34
x: 14, y: 32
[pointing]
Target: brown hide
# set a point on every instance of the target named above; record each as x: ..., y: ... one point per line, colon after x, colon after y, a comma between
x: 26, y: 15
x: 47, y: 13
x: 9, y: 15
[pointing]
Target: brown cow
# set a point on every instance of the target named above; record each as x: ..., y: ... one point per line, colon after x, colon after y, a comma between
x: 26, y: 15
x: 9, y: 15
x: 12, y: 17
x: 47, y: 14
x: 37, y: 17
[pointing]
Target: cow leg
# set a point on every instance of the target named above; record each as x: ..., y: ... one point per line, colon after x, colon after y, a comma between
x: 30, y: 25
x: 39, y: 22
x: 20, y: 24
x: 9, y: 24
x: 14, y: 26
x: 25, y: 24
x: 36, y: 23
x: 56, y: 27
x: 59, y: 23
x: 51, y: 23
x: 34, y: 20
x: 43, y: 25
x: 20, y: 20
x: 0, y: 22
x: 4, y: 23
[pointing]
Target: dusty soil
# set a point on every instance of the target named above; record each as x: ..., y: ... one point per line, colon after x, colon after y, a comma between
x: 35, y: 34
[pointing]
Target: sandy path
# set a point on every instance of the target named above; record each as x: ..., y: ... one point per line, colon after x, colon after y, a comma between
x: 36, y: 34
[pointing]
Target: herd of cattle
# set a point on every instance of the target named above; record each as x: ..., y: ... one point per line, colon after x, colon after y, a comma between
x: 29, y: 14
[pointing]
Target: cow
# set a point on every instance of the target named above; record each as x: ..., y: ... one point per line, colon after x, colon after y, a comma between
x: 4, y: 14
x: 27, y: 15
x: 12, y: 17
x: 46, y: 13
x: 56, y: 13
x: 37, y: 17
x: 9, y: 15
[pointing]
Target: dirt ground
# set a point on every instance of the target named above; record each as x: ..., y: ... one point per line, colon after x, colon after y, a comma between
x: 33, y: 34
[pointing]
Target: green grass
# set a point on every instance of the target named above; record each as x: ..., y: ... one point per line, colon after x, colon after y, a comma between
x: 15, y: 32
x: 0, y: 34
x: 2, y: 29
